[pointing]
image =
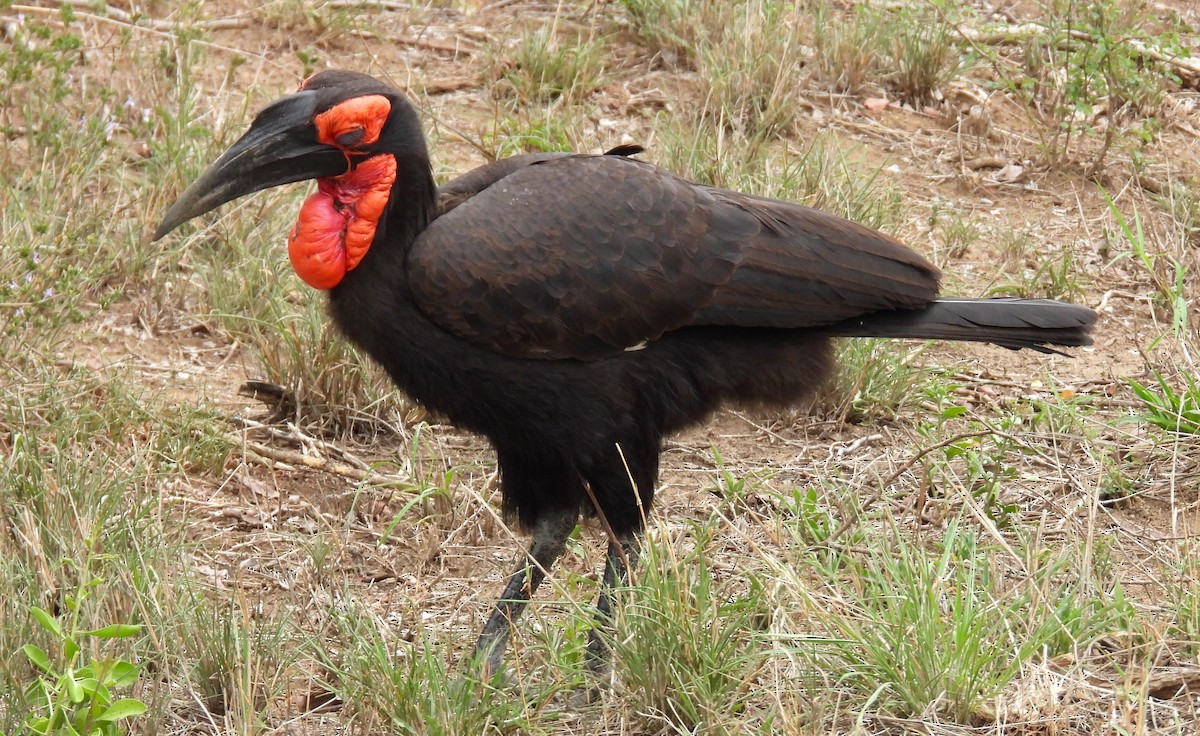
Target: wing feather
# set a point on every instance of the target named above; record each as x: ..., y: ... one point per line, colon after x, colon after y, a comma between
x: 586, y: 256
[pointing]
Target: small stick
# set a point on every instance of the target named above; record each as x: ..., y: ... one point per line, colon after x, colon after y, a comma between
x: 870, y: 500
x: 333, y: 467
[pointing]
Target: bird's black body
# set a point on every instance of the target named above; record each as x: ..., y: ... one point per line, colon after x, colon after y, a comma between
x: 557, y: 424
x: 575, y: 309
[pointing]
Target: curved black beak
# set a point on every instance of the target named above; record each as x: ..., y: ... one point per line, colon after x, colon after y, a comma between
x: 280, y: 148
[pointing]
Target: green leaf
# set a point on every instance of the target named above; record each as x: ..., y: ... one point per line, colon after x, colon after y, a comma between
x: 116, y: 631
x: 79, y: 722
x: 123, y: 708
x: 954, y: 450
x: 46, y: 621
x: 953, y: 412
x: 70, y: 648
x: 123, y: 674
x: 71, y: 685
x: 39, y: 690
x: 96, y: 691
x: 58, y: 718
x: 38, y: 657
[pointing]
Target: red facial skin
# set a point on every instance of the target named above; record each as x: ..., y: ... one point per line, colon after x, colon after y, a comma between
x: 353, y: 123
x: 337, y: 223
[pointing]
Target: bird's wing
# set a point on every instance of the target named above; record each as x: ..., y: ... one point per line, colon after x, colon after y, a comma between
x: 461, y: 188
x: 807, y: 268
x: 586, y: 256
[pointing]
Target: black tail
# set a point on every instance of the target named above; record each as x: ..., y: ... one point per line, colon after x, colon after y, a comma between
x: 1010, y: 323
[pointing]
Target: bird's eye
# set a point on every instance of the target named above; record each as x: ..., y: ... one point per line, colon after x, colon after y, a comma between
x: 353, y: 123
x: 351, y: 137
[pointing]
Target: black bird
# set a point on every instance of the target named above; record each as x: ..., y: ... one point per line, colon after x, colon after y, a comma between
x: 574, y: 309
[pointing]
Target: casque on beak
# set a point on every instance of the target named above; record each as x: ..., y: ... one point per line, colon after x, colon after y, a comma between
x: 281, y: 147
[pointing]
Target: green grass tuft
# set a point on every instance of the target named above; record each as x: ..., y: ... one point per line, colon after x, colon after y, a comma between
x: 689, y: 646
x: 922, y: 630
x: 411, y: 689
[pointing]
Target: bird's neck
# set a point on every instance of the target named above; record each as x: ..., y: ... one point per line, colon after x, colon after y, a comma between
x: 410, y: 208
x: 378, y: 286
x: 372, y: 305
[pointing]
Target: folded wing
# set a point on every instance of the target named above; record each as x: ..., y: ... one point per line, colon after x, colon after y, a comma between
x: 587, y: 256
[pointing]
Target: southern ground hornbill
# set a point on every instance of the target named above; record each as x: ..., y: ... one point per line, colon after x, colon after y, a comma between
x: 574, y: 309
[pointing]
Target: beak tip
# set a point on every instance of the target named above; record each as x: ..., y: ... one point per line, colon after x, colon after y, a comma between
x: 178, y: 214
x: 168, y: 224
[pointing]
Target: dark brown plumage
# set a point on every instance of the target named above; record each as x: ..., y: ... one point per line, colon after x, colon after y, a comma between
x: 574, y: 309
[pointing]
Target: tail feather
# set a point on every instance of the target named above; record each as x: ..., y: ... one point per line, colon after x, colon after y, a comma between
x: 1011, y: 323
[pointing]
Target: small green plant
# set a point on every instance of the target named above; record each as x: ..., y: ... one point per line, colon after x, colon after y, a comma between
x: 1182, y: 201
x: 749, y: 56
x: 687, y: 646
x: 1015, y: 245
x: 988, y: 460
x: 876, y: 379
x: 1120, y: 482
x: 848, y: 53
x: 543, y: 66
x: 923, y: 56
x: 751, y: 70
x: 237, y: 662
x: 937, y: 628
x: 958, y: 234
x: 529, y: 131
x: 820, y: 526
x: 910, y: 52
x: 429, y: 494
x: 1088, y: 55
x: 1175, y: 410
x: 1054, y: 278
x: 1168, y: 273
x: 325, y: 21
x: 74, y: 695
x: 737, y: 491
x: 989, y: 471
x: 411, y: 689
x: 1183, y: 596
x: 675, y: 25
x: 813, y: 518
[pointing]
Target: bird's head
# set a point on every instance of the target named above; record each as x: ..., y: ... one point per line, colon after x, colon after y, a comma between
x: 348, y: 131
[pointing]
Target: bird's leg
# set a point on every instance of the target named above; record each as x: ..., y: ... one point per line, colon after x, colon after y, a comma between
x: 621, y: 556
x: 550, y: 535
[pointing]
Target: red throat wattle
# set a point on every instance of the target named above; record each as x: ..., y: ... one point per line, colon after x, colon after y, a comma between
x: 338, y: 222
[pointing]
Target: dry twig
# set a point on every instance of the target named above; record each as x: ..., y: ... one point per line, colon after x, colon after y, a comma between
x: 870, y: 500
x: 325, y: 465
x: 1013, y: 35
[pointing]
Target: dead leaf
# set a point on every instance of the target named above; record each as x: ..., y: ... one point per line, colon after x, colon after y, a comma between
x: 256, y: 486
x: 317, y: 700
x: 876, y: 104
x: 984, y: 162
x: 246, y: 518
x: 1010, y: 174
